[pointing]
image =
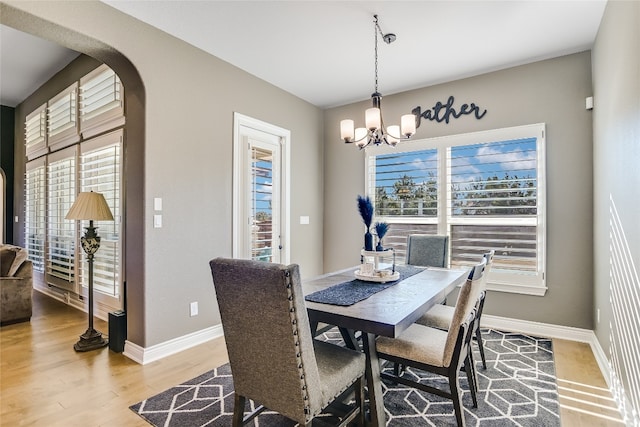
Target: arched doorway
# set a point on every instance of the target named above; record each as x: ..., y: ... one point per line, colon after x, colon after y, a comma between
x: 135, y: 98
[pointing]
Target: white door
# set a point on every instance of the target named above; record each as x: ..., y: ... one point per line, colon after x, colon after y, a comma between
x: 260, y: 191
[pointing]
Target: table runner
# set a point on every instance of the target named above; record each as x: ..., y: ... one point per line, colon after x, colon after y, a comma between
x: 349, y: 293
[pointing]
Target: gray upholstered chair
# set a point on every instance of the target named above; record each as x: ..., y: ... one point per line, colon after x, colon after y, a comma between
x: 427, y: 250
x: 440, y: 315
x: 440, y: 352
x: 274, y: 359
x: 16, y: 285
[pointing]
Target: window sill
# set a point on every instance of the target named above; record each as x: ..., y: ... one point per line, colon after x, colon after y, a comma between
x: 538, y: 291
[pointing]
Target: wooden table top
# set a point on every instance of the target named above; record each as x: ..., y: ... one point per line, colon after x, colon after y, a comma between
x: 390, y: 311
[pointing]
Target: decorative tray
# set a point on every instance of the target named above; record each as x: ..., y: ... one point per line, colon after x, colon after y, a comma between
x: 377, y: 277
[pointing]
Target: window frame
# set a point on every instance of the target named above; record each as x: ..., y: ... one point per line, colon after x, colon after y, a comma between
x: 529, y: 284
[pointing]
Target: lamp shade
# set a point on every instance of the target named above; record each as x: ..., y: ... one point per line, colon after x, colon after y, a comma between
x: 90, y: 206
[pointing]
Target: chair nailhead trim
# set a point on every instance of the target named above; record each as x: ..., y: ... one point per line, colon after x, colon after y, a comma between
x: 294, y: 327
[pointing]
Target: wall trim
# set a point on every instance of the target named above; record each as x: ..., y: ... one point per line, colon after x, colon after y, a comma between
x: 537, y: 328
x: 144, y: 355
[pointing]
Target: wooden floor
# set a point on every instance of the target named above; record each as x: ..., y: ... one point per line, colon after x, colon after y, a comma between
x: 44, y: 382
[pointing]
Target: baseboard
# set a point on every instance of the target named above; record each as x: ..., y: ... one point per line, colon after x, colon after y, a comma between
x: 144, y: 355
x: 538, y: 329
x: 560, y: 332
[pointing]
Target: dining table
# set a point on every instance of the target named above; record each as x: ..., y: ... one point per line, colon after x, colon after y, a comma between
x: 386, y: 311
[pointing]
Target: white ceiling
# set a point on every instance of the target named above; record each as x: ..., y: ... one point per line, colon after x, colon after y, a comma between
x: 26, y: 62
x: 322, y: 51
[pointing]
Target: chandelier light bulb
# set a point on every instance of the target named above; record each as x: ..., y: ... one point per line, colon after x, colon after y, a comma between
x: 408, y: 123
x: 372, y: 118
x: 346, y: 130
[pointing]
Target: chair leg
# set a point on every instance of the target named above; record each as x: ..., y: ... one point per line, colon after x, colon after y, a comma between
x: 238, y: 410
x: 481, y: 347
x: 473, y: 385
x: 360, y: 401
x: 456, y: 397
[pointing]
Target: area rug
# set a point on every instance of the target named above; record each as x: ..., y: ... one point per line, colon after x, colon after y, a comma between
x: 518, y: 388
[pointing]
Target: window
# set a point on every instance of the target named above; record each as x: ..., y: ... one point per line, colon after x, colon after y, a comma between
x: 61, y: 233
x: 62, y: 119
x: 36, y: 132
x: 101, y: 101
x: 100, y: 172
x: 63, y: 162
x: 34, y: 203
x: 484, y: 190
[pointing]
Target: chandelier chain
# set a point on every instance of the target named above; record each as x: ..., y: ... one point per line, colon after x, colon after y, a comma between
x: 376, y: 28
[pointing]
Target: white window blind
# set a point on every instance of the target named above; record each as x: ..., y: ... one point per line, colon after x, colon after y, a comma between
x: 36, y: 132
x: 100, y: 163
x: 62, y: 119
x: 262, y: 238
x: 61, y: 233
x: 484, y: 190
x: 493, y: 188
x: 101, y: 101
x: 34, y: 202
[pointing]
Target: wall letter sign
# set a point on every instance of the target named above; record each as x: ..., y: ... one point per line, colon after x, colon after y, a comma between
x: 443, y: 112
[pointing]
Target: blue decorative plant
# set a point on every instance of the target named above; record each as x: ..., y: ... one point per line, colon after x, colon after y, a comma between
x: 365, y: 207
x: 381, y: 230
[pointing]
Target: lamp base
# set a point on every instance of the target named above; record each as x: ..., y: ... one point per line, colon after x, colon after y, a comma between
x: 90, y: 340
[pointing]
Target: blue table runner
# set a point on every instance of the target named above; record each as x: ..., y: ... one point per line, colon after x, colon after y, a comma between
x: 349, y: 293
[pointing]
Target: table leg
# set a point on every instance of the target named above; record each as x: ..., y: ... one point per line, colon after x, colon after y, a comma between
x: 376, y: 404
x: 349, y: 338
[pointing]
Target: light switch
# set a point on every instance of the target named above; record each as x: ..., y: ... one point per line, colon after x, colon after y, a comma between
x: 304, y: 220
x: 157, y: 203
x: 157, y: 221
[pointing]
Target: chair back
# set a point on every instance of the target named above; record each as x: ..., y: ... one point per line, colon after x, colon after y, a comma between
x: 488, y: 256
x: 427, y: 250
x: 266, y: 329
x: 465, y: 304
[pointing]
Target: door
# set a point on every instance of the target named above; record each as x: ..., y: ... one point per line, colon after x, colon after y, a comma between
x: 260, y: 191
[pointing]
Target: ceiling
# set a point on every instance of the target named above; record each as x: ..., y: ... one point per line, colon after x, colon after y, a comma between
x: 323, y: 51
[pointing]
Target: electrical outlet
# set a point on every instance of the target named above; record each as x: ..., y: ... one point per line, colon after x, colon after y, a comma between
x: 193, y: 309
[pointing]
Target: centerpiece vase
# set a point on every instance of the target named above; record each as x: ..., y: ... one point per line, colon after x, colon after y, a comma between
x: 368, y: 241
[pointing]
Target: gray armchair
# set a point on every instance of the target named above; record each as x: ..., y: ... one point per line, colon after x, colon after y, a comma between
x: 274, y: 359
x: 16, y: 285
x: 428, y: 250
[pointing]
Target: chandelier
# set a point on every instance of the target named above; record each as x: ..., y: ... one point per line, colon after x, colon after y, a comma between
x: 375, y: 131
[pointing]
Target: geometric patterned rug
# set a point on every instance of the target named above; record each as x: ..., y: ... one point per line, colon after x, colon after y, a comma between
x: 518, y: 388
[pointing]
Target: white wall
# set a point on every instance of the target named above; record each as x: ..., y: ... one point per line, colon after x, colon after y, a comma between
x: 616, y: 82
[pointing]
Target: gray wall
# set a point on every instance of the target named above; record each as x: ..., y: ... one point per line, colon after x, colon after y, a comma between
x: 616, y: 82
x: 552, y: 92
x: 187, y: 159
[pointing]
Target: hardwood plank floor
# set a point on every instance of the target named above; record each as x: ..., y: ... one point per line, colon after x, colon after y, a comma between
x: 44, y: 382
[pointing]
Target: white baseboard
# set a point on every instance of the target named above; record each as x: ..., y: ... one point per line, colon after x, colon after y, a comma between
x: 553, y: 331
x: 144, y: 355
x: 538, y: 329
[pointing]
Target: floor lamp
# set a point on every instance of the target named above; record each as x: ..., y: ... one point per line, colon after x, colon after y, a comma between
x: 90, y: 206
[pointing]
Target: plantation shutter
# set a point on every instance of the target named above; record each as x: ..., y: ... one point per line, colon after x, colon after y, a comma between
x: 261, y: 193
x: 36, y: 132
x: 35, y: 214
x: 100, y: 163
x: 101, y: 101
x: 485, y: 190
x: 493, y: 203
x: 62, y: 119
x: 405, y: 195
x: 61, y: 233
